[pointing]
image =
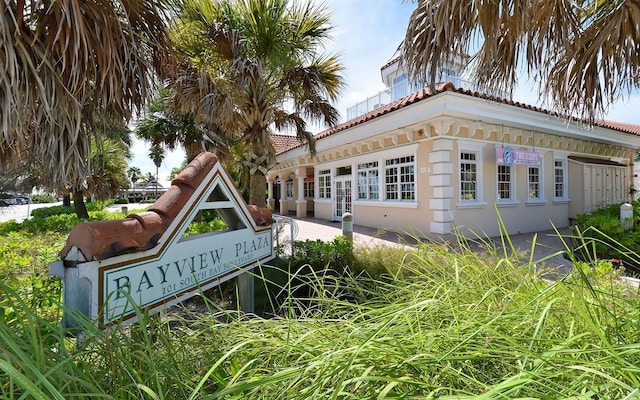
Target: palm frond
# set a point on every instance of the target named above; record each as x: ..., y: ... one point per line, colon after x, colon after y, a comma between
x: 583, y: 54
x: 602, y: 64
x: 64, y: 63
x: 257, y: 66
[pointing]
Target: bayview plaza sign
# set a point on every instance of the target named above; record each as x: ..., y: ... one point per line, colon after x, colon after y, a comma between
x: 182, y: 270
x: 177, y: 266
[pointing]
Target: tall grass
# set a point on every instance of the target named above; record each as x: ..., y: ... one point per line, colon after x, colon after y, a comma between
x: 440, y: 321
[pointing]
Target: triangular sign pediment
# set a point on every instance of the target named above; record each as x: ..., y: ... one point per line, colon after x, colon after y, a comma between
x: 193, y: 252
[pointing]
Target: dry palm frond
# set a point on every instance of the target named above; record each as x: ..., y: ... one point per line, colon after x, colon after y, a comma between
x: 63, y: 63
x: 583, y: 54
x: 602, y: 64
x: 438, y: 30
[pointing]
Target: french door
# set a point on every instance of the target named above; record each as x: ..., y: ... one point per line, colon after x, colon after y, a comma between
x: 342, y: 199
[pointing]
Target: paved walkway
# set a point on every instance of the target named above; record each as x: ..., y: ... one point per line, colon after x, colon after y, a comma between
x: 20, y: 212
x: 548, y: 249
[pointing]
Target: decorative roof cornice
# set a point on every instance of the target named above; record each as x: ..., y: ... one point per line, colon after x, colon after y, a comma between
x: 427, y: 93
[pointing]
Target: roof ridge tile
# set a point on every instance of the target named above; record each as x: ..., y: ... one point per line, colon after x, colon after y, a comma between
x: 98, y: 240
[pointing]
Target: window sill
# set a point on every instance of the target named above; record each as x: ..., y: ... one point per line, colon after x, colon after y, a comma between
x: 536, y: 202
x: 387, y: 203
x: 561, y: 201
x: 507, y: 203
x: 472, y: 204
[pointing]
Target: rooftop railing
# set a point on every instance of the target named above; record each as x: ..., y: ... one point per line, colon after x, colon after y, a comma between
x: 404, y: 88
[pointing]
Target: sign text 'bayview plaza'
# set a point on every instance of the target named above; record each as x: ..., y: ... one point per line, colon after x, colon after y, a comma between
x: 152, y: 260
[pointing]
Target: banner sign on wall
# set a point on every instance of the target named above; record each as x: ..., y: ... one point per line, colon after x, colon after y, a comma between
x: 508, y: 156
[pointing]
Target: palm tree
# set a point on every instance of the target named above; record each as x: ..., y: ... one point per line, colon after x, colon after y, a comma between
x: 134, y: 173
x: 156, y: 153
x: 161, y: 126
x: 109, y: 169
x: 253, y: 66
x: 65, y: 65
x: 107, y: 165
x: 583, y: 54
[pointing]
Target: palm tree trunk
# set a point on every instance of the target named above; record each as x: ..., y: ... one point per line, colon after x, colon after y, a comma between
x: 257, y: 184
x: 79, y: 206
x: 192, y: 150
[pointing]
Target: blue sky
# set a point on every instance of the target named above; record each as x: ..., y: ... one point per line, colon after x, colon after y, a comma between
x: 366, y: 35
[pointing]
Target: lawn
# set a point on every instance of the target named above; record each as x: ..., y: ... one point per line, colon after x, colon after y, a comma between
x: 437, y: 321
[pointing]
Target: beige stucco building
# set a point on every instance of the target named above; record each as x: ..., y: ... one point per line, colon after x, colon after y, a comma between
x: 432, y: 162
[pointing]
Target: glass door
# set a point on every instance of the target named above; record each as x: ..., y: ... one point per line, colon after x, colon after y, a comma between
x: 342, y: 198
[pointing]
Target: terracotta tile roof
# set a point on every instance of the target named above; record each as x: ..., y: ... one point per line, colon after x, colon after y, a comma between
x: 390, y: 63
x: 103, y: 239
x: 426, y: 93
x: 282, y: 143
x: 620, y: 126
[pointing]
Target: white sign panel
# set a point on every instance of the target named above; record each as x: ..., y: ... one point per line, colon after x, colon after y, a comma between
x: 187, y: 266
x: 179, y: 266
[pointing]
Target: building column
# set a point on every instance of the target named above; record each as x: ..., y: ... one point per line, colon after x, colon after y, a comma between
x: 284, y: 203
x: 301, y: 202
x: 440, y: 181
x: 271, y: 203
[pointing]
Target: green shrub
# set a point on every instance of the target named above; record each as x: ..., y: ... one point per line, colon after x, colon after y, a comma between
x: 45, y: 212
x: 199, y: 227
x: 295, y: 274
x: 121, y: 200
x: 336, y: 255
x: 62, y: 223
x: 99, y: 205
x: 43, y: 199
x: 9, y: 226
x: 599, y: 236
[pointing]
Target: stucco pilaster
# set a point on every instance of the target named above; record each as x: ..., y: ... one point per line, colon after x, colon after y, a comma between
x: 284, y: 203
x: 440, y: 182
x: 301, y: 202
x: 269, y: 192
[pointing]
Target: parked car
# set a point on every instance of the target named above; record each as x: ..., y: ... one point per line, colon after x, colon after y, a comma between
x: 14, y: 201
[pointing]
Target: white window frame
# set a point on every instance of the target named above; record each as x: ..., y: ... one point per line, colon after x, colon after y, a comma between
x: 309, y: 189
x: 369, y: 172
x: 513, y: 188
x: 478, y: 151
x: 540, y: 199
x: 399, y: 184
x: 399, y: 87
x: 324, y: 184
x: 288, y: 189
x: 565, y: 182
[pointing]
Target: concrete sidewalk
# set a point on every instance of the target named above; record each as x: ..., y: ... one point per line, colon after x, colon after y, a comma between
x: 20, y: 212
x: 548, y: 249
